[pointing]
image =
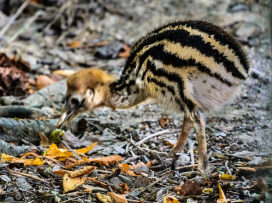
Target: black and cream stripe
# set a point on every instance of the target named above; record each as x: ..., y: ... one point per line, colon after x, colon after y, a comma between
x: 197, y: 46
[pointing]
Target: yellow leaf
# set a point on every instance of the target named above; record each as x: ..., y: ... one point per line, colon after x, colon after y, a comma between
x: 71, y: 183
x: 6, y: 157
x: 227, y: 177
x: 118, y: 198
x: 60, y: 155
x: 166, y: 200
x: 208, y: 190
x: 222, y: 197
x: 104, y: 198
x: 34, y: 162
x: 85, y: 150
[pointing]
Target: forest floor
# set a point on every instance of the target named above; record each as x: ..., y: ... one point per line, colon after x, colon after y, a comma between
x: 70, y: 35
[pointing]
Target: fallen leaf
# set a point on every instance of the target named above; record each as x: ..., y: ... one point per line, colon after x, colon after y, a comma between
x: 71, y: 183
x: 44, y: 140
x: 118, y: 198
x: 124, y: 167
x: 32, y: 162
x: 164, y: 122
x: 73, y: 174
x: 75, y: 44
x: 85, y: 150
x: 13, y: 76
x: 100, y: 183
x: 260, y: 184
x: 242, y: 170
x: 125, y: 186
x: 65, y: 73
x: 188, y: 188
x: 222, y: 197
x: 104, y: 198
x: 227, y: 177
x: 207, y: 190
x: 170, y: 200
x: 54, y: 152
x: 43, y: 81
x: 106, y: 160
x: 125, y: 53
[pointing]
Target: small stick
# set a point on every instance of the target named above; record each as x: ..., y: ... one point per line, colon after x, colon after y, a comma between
x: 154, y: 135
x: 226, y: 165
x: 51, y: 99
x: 73, y: 198
x: 13, y: 18
x: 194, y: 165
x: 27, y: 175
x: 66, y: 145
x: 239, y: 157
x: 191, y: 150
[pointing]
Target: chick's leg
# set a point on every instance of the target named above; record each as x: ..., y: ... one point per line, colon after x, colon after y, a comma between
x: 182, y: 139
x: 199, y: 123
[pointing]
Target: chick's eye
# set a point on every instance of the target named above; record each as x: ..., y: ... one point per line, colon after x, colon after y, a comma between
x: 74, y: 101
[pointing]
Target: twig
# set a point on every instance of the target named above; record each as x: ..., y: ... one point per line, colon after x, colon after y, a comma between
x: 194, y: 165
x: 58, y: 15
x: 154, y: 135
x: 66, y: 145
x: 239, y: 157
x: 139, y: 191
x: 25, y: 26
x: 226, y: 165
x: 51, y: 99
x: 191, y: 150
x: 73, y: 198
x: 27, y: 175
x: 13, y: 18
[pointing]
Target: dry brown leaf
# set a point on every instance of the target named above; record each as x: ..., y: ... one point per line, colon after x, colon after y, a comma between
x: 148, y: 164
x: 188, y: 188
x: 164, y: 122
x: 65, y: 73
x: 75, y: 44
x: 170, y: 200
x: 88, y: 190
x: 43, y: 81
x: 44, y: 140
x: 81, y: 172
x: 169, y: 144
x: 106, y: 160
x: 85, y: 150
x: 125, y: 53
x: 118, y: 198
x: 242, y: 170
x: 71, y: 183
x: 222, y: 197
x: 125, y: 186
x: 259, y: 185
x: 124, y: 167
x: 100, y: 183
x: 73, y: 174
x: 104, y: 198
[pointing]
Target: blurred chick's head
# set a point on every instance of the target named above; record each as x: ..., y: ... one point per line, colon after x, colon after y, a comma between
x: 86, y: 90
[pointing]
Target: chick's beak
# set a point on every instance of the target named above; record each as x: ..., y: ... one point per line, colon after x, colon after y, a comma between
x: 67, y: 114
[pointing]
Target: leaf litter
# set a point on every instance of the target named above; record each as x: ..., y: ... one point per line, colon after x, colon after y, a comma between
x: 111, y: 166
